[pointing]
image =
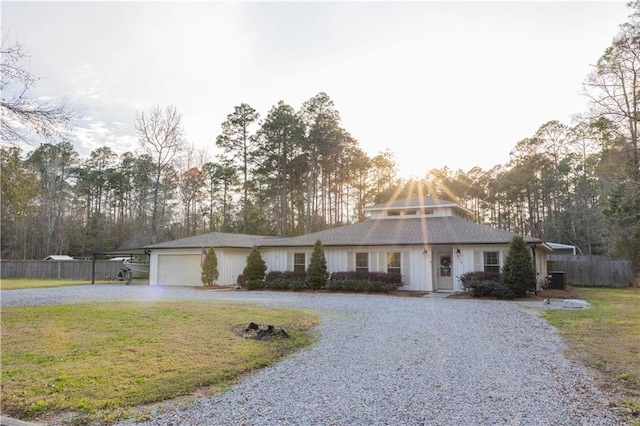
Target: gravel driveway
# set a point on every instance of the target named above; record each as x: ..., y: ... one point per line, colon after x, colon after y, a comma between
x: 384, y: 360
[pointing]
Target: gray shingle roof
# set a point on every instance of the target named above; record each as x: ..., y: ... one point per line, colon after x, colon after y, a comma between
x: 212, y: 239
x: 416, y: 231
x: 373, y: 232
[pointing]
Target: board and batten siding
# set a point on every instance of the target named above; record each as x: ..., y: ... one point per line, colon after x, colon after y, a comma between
x: 182, y: 266
x: 340, y: 259
x: 231, y: 263
x: 471, y: 259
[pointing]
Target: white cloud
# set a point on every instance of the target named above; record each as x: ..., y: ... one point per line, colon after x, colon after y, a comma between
x: 455, y: 84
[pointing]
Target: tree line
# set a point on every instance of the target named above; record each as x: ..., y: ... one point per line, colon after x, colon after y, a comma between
x: 296, y: 171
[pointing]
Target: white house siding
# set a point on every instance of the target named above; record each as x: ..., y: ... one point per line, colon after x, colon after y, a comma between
x: 182, y: 266
x: 419, y: 277
x: 471, y: 259
x: 275, y: 258
x: 231, y: 263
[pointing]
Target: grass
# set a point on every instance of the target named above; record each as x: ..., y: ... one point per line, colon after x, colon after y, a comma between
x: 606, y: 338
x: 100, y: 359
x: 22, y: 283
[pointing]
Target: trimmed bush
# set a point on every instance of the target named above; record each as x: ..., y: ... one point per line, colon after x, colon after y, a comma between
x: 382, y: 277
x: 255, y: 268
x: 210, y: 272
x: 518, y: 272
x: 253, y: 284
x: 485, y: 284
x: 470, y: 277
x: 361, y: 286
x: 285, y: 275
x: 317, y: 274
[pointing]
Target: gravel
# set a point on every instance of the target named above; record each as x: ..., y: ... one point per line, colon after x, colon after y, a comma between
x: 384, y: 360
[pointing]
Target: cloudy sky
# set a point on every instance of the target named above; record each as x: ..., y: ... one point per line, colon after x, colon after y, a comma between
x: 454, y: 84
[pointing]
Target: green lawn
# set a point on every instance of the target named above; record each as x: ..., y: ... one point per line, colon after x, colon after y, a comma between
x: 102, y: 359
x: 607, y: 338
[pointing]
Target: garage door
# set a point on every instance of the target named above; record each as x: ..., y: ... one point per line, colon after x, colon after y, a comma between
x: 179, y: 269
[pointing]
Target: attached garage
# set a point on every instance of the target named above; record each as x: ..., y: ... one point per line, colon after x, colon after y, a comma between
x: 177, y: 269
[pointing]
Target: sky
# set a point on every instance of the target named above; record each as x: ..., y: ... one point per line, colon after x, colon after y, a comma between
x: 453, y: 84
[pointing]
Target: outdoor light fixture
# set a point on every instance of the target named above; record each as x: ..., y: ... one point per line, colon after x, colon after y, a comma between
x: 457, y: 251
x: 425, y: 251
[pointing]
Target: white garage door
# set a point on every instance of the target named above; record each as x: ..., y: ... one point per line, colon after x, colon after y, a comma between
x: 179, y: 269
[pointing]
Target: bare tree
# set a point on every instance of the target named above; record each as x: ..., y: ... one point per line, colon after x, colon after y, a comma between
x: 20, y: 114
x: 613, y: 87
x: 161, y: 136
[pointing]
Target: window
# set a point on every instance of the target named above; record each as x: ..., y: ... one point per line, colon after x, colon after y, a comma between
x: 362, y: 262
x: 409, y: 212
x: 492, y: 261
x: 393, y: 263
x: 299, y: 262
x: 393, y: 213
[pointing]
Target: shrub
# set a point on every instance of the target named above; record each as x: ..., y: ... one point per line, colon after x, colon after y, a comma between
x: 470, y: 277
x: 317, y: 274
x: 285, y: 284
x: 382, y: 277
x: 483, y: 284
x: 285, y: 275
x: 240, y: 281
x: 253, y: 284
x: 210, y: 268
x: 255, y: 268
x: 360, y: 286
x: 518, y: 272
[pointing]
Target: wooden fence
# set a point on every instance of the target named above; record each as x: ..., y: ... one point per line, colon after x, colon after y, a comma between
x: 592, y: 271
x: 59, y: 269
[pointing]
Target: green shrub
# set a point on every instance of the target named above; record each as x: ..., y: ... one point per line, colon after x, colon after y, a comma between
x: 285, y: 284
x: 253, y: 284
x: 240, y: 281
x: 485, y: 284
x: 383, y: 277
x: 210, y: 268
x: 360, y: 286
x: 255, y: 268
x: 518, y: 273
x: 317, y: 274
x: 469, y: 278
x: 285, y: 275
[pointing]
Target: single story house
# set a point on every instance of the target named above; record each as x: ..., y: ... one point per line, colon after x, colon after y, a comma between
x: 431, y: 242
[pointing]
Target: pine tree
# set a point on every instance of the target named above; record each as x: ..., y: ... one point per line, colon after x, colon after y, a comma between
x: 255, y: 268
x: 317, y: 274
x: 518, y: 272
x: 210, y: 268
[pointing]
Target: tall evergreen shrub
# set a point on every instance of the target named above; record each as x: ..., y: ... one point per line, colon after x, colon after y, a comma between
x: 317, y: 274
x: 518, y: 272
x: 255, y: 268
x: 210, y: 268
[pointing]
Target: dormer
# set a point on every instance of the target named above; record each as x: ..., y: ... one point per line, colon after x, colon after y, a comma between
x: 416, y: 207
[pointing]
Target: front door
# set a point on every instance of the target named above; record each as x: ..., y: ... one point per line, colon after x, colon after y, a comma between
x: 444, y: 270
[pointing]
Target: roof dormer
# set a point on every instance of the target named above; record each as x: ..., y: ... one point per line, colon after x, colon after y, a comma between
x: 416, y: 207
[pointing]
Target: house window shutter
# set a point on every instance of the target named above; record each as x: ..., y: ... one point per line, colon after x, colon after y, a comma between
x: 289, y: 261
x: 478, y: 264
x: 351, y: 262
x: 406, y: 265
